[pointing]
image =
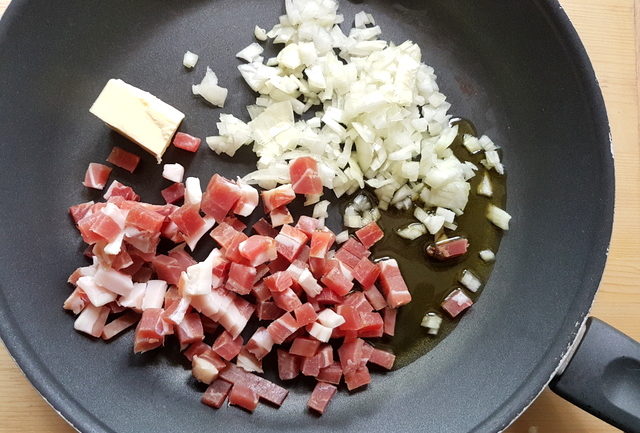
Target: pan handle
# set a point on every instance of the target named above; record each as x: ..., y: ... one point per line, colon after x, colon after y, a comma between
x: 603, y: 376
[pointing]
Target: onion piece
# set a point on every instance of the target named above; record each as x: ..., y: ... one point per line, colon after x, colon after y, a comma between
x: 487, y: 255
x: 190, y: 59
x: 173, y: 172
x: 320, y: 209
x: 470, y: 281
x: 498, y: 217
x: 412, y: 231
x: 432, y: 322
x: 485, y: 188
x: 210, y: 90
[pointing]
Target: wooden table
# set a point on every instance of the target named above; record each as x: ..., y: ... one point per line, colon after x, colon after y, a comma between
x: 608, y: 30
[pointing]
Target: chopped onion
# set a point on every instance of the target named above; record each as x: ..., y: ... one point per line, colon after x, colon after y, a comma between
x: 432, y: 322
x: 470, y: 281
x: 320, y: 209
x: 190, y: 59
x: 498, y: 216
x: 210, y: 90
x: 250, y: 53
x: 485, y: 188
x: 471, y: 143
x: 412, y: 231
x: 487, y: 255
x: 260, y: 33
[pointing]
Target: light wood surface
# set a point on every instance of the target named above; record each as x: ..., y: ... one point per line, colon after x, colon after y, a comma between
x: 608, y: 29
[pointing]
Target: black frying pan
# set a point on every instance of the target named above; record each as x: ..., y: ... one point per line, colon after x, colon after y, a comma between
x: 516, y: 68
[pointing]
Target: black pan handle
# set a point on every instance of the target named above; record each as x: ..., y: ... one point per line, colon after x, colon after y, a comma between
x: 603, y: 376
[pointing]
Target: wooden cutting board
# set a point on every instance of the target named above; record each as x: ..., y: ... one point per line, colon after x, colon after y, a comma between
x: 608, y: 29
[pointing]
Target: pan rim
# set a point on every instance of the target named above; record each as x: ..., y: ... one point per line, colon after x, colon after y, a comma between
x: 81, y: 419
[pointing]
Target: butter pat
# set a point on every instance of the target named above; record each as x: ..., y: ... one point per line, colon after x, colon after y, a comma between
x: 138, y: 115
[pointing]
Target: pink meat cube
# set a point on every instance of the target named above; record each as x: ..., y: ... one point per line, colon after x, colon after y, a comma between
x: 394, y: 288
x: 456, y: 302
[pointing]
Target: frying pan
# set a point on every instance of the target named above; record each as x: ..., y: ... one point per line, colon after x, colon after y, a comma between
x: 517, y: 69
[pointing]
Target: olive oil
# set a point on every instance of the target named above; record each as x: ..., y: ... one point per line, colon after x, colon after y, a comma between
x: 431, y: 281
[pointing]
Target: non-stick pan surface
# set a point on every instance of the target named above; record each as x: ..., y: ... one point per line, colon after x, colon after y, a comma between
x: 516, y: 68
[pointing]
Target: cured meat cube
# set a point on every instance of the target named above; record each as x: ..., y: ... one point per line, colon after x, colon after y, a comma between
x: 325, y: 355
x: 237, y: 314
x: 117, y: 189
x: 227, y: 346
x: 79, y: 211
x: 96, y: 176
x: 235, y: 223
x: 287, y: 300
x: 321, y: 241
x: 260, y: 344
x: 321, y: 396
x: 456, y: 302
x: 188, y: 220
x: 305, y: 314
x: 308, y: 225
x: 371, y: 324
x: 263, y: 228
x: 196, y: 349
x: 174, y: 312
x: 189, y: 330
x: 278, y: 282
x: 328, y: 297
x: 309, y: 284
x: 448, y: 249
x: 337, y: 281
x: 76, y: 301
x: 280, y: 216
x: 224, y: 234
x: 150, y: 331
x: 358, y: 301
x: 241, y: 278
x: 174, y: 193
x: 248, y: 361
x: 394, y: 288
x: 353, y: 321
x: 243, y: 397
x: 320, y: 332
x: 390, y: 321
x: 119, y: 325
x: 258, y: 249
x: 347, y: 257
x: 248, y: 200
x: 331, y: 374
x: 167, y: 268
x: 216, y: 393
x: 366, y: 272
x: 311, y: 366
x: 282, y: 328
x: 268, y: 311
x: 186, y: 142
x: 261, y: 292
x: 277, y: 197
x: 154, y: 294
x: 123, y: 159
x: 290, y: 241
x: 305, y: 178
x: 92, y: 320
x: 303, y: 346
x: 382, y: 358
x: 357, y: 378
x: 220, y: 197
x: 356, y: 248
x: 288, y: 365
x: 203, y: 370
x: 232, y: 252
x: 265, y: 389
x: 375, y: 298
x: 370, y: 234
x: 350, y: 354
x: 330, y: 318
